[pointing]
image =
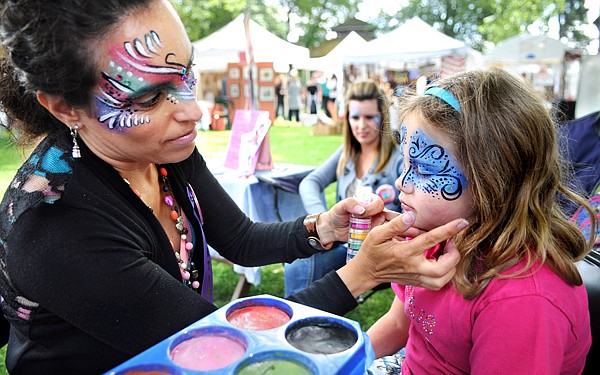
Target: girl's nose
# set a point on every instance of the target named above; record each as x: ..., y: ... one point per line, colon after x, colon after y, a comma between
x: 362, y: 122
x: 403, y: 183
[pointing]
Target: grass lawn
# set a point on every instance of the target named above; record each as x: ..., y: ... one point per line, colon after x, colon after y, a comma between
x: 289, y: 144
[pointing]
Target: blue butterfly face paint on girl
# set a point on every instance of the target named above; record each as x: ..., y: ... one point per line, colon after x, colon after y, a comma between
x: 431, y: 168
x: 137, y: 78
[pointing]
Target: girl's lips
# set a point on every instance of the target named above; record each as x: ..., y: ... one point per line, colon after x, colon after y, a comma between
x: 185, y: 139
x: 406, y: 207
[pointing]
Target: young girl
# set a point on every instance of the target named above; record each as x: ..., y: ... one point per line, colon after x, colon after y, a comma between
x: 480, y: 145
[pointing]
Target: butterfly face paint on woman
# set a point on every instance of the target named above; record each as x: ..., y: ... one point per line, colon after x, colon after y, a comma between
x: 431, y: 168
x: 139, y: 75
x: 355, y: 113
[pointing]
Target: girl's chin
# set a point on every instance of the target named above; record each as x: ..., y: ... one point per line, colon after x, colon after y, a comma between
x: 424, y: 227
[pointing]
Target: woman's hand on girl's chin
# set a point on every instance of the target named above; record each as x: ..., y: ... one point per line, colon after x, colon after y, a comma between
x: 387, y: 257
x: 388, y: 215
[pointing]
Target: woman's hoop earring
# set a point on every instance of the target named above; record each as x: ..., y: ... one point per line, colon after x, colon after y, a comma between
x: 76, y: 153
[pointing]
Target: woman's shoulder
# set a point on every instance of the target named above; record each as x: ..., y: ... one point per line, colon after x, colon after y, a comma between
x: 41, y: 179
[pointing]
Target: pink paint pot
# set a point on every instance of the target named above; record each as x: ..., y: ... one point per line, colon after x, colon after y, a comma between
x: 258, y: 314
x: 208, y: 348
x: 150, y: 369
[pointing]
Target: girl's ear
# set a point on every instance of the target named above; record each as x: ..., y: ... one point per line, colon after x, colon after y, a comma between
x: 59, y: 108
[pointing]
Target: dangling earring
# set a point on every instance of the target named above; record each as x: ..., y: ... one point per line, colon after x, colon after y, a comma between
x: 76, y: 153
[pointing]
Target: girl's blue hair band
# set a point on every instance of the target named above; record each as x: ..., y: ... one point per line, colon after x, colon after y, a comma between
x: 445, y: 95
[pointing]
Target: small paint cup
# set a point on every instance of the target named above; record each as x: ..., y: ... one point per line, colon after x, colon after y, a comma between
x: 208, y: 348
x: 149, y: 369
x: 321, y: 335
x: 276, y: 362
x: 258, y: 318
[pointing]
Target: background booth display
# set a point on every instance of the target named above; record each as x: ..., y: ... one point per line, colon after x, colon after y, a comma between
x: 222, y: 87
x: 261, y: 89
x: 213, y: 52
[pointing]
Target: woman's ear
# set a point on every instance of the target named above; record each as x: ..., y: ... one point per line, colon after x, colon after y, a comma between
x: 59, y: 108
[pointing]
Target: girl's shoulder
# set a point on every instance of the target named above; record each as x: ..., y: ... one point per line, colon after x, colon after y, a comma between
x: 538, y: 283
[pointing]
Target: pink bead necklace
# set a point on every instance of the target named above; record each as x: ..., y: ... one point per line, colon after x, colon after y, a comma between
x: 184, y: 254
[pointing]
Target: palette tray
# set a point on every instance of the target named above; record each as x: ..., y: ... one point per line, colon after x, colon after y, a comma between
x: 259, y: 335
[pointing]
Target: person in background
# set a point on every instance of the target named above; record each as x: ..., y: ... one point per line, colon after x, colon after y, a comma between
x: 324, y: 92
x: 312, y: 96
x: 104, y: 230
x: 368, y: 161
x: 517, y: 302
x: 280, y: 91
x: 294, y: 93
x: 332, y: 92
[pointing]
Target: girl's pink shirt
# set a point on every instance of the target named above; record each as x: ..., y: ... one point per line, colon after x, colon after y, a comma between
x: 537, y: 324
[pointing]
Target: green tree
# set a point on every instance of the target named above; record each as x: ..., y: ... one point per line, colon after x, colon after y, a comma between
x: 317, y: 17
x: 512, y: 18
x: 475, y: 22
x: 570, y: 19
x: 203, y: 17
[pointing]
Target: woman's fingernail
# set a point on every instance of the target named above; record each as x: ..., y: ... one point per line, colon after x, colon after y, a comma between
x: 462, y: 225
x: 359, y: 210
x: 364, y: 199
x: 408, y: 217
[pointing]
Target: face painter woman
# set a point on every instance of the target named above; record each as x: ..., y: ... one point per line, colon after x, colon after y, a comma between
x: 105, y: 227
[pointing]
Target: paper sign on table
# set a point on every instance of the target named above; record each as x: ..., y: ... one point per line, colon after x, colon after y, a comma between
x: 248, y: 148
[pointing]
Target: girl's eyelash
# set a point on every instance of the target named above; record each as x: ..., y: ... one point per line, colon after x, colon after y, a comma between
x: 423, y: 171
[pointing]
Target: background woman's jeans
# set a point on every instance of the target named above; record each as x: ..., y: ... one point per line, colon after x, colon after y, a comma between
x: 302, y: 272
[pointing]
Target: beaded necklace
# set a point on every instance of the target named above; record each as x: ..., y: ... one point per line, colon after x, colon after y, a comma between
x: 184, y: 253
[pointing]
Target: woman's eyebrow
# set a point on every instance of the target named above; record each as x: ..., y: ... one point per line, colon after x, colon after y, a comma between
x: 191, y: 61
x: 165, y: 84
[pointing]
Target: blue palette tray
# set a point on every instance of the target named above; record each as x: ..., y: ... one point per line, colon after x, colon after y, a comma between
x: 311, y: 342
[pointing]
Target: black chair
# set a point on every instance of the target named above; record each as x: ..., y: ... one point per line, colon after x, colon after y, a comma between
x: 589, y: 268
x: 583, y: 150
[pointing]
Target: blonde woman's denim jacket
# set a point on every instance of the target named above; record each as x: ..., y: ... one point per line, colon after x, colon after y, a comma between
x: 382, y: 183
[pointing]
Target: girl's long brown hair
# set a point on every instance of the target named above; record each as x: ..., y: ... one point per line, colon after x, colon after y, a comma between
x: 507, y: 143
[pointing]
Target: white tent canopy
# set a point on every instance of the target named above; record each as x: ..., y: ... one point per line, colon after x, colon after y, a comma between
x: 412, y: 40
x: 526, y: 49
x: 212, y: 53
x: 334, y: 60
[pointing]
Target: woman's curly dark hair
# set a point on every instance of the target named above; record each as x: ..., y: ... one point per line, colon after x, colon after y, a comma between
x: 48, y: 46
